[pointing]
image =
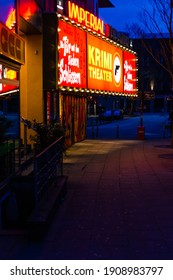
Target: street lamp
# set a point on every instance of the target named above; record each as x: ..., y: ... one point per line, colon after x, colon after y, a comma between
x: 141, y: 108
x: 141, y: 128
x: 152, y: 85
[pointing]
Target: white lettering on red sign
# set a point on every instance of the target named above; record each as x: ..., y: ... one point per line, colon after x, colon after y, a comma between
x: 69, y: 52
x: 128, y: 77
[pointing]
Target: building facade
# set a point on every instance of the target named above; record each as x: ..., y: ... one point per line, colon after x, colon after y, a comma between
x: 21, y: 77
x: 155, y: 82
x: 60, y: 54
x: 12, y: 58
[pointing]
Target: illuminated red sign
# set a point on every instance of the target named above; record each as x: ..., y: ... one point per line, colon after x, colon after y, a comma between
x: 72, y: 56
x: 5, y: 88
x: 129, y: 73
x: 8, y: 79
x: 85, y: 18
x: 105, y: 65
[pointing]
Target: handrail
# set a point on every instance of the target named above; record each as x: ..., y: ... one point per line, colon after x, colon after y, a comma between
x: 46, y: 165
x: 47, y: 148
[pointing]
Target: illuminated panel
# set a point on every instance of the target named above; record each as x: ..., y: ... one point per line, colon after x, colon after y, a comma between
x: 105, y: 65
x: 129, y: 73
x: 8, y: 79
x: 72, y: 56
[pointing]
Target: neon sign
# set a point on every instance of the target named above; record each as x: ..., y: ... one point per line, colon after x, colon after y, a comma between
x: 72, y: 56
x: 85, y: 18
x: 129, y: 73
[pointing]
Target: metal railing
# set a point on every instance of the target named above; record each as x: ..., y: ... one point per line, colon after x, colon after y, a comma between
x: 47, y: 165
x: 7, y: 170
x: 7, y: 157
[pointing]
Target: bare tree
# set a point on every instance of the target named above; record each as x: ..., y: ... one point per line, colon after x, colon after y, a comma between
x: 156, y: 19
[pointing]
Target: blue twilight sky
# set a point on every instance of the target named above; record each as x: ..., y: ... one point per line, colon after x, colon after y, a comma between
x: 124, y: 13
x: 4, y: 8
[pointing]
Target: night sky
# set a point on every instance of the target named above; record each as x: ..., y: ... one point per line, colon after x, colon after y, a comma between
x: 4, y: 8
x: 124, y: 13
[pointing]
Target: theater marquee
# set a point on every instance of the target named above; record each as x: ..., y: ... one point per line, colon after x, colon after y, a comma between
x: 92, y: 62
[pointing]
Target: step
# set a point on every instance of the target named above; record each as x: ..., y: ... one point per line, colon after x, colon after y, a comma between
x: 48, y: 203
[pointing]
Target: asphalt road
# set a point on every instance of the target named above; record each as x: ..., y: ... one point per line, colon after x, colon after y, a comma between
x: 127, y: 128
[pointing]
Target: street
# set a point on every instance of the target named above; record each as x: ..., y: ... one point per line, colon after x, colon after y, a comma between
x: 127, y: 128
x: 119, y: 200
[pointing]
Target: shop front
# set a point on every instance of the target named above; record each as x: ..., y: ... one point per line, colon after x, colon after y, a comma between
x: 12, y: 49
x: 73, y: 117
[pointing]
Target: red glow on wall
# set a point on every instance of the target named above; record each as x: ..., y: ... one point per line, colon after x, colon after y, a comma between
x: 27, y: 9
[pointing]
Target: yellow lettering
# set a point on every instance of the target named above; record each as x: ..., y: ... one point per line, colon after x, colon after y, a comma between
x: 99, y: 58
x: 91, y: 55
x: 107, y: 59
x: 91, y: 21
x: 100, y: 25
x: 73, y: 10
x: 82, y: 15
x: 100, y: 74
x: 87, y: 21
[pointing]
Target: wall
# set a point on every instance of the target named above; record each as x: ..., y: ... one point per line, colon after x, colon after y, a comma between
x: 31, y: 81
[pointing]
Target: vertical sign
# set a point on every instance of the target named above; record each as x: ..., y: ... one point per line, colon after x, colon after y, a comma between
x: 129, y: 73
x: 72, y: 56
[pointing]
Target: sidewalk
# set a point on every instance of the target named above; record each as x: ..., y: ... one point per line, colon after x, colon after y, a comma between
x: 119, y: 205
